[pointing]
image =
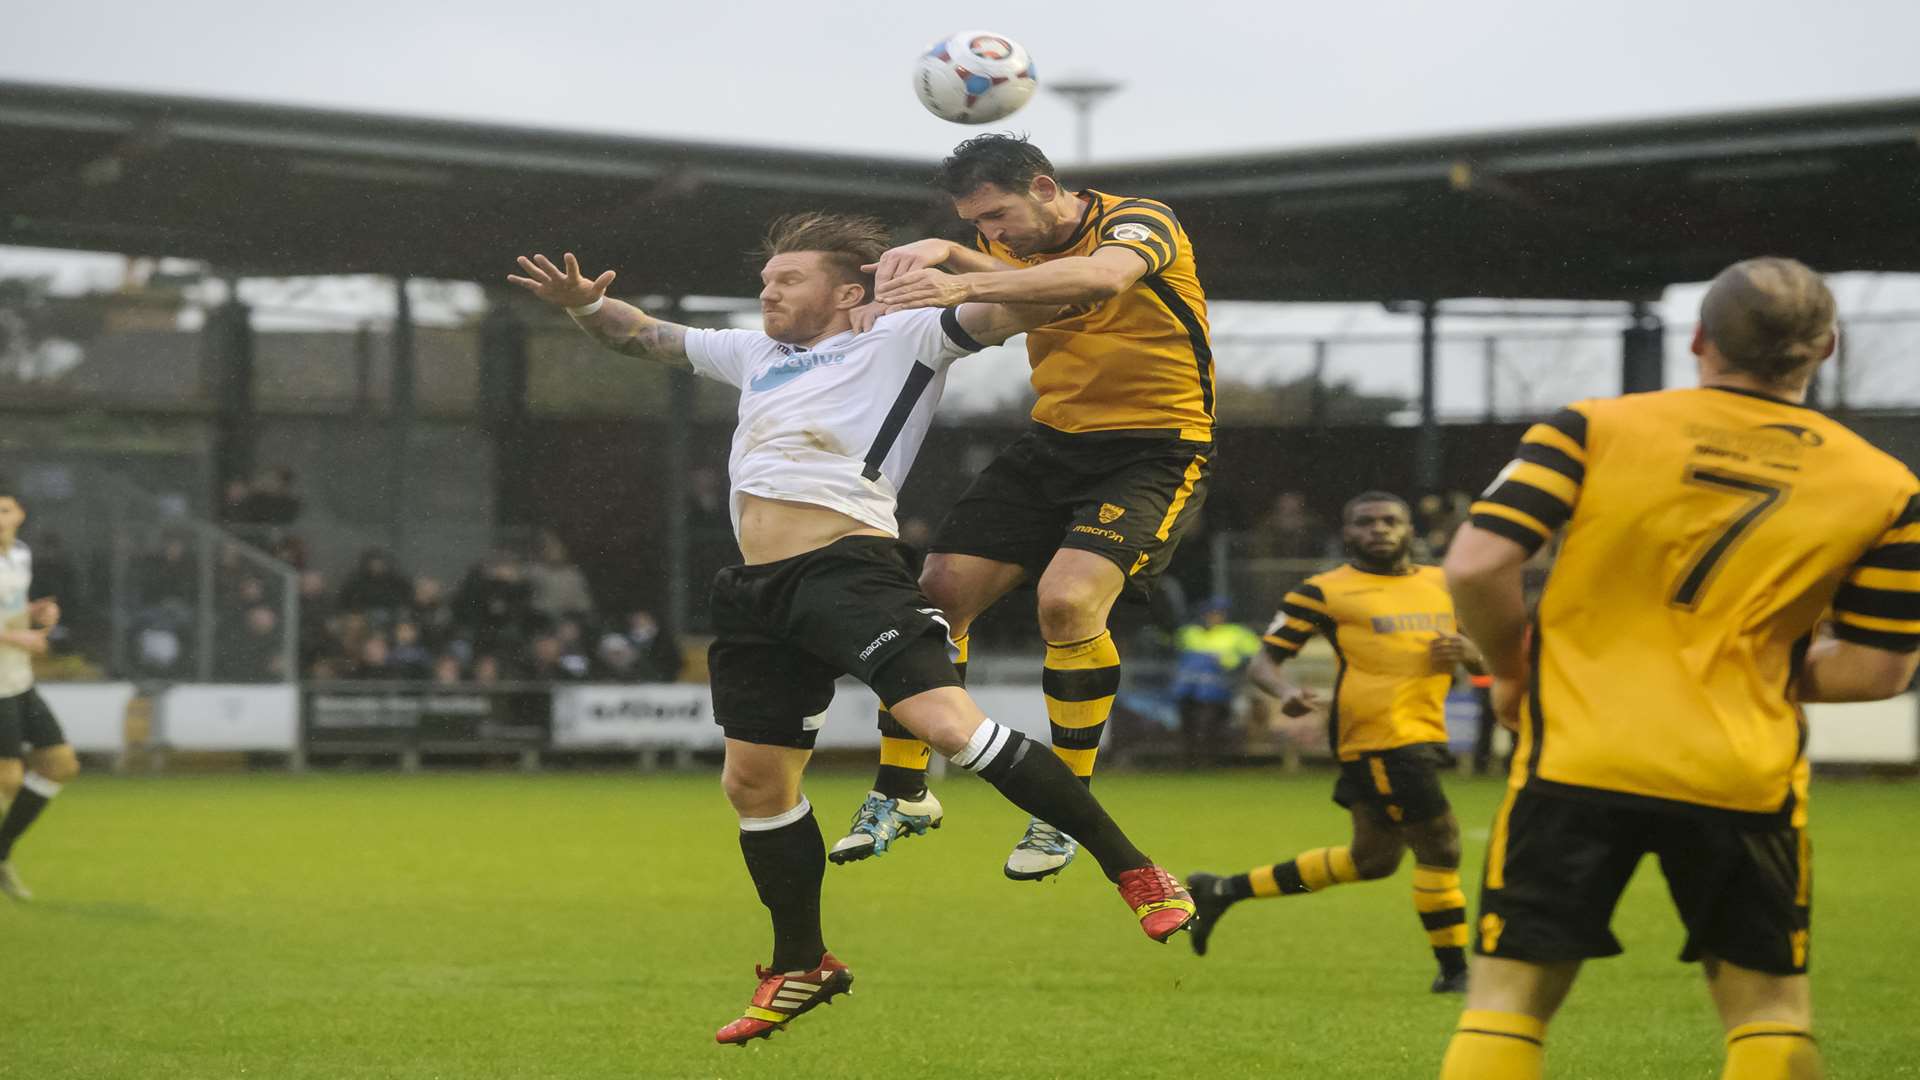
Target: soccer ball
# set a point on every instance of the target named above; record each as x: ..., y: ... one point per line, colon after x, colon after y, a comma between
x: 974, y: 77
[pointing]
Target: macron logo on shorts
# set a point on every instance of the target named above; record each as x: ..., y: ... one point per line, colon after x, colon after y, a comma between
x: 874, y: 645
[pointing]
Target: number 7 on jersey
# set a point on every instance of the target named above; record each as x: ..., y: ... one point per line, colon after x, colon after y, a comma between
x: 1762, y: 497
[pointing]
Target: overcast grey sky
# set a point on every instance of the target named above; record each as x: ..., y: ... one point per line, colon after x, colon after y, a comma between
x: 1202, y: 75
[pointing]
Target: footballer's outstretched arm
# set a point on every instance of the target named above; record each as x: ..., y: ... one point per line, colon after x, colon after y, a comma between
x: 1080, y: 279
x: 618, y: 325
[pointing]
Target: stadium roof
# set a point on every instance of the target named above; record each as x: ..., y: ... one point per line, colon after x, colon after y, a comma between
x: 1594, y: 211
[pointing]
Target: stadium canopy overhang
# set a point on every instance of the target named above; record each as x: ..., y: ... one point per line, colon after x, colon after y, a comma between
x: 1607, y: 211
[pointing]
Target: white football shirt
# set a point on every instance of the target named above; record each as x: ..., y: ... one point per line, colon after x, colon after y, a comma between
x: 837, y: 424
x: 16, y: 577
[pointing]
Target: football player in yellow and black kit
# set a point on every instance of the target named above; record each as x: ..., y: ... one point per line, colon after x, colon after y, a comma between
x: 1709, y: 533
x: 1096, y: 494
x: 1391, y: 626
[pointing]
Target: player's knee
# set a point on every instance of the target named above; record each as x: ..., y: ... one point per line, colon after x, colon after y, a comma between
x: 947, y: 590
x: 1372, y: 864
x: 938, y: 720
x: 755, y: 791
x: 10, y: 776
x: 60, y: 768
x: 1440, y: 850
x: 1069, y: 606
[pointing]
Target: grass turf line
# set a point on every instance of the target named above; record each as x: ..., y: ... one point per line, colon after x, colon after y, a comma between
x: 493, y: 925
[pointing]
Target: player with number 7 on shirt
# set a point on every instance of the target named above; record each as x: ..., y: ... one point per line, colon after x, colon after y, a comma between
x: 1729, y: 554
x: 829, y: 423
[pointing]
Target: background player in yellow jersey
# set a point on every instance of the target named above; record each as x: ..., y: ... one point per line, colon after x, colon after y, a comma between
x: 1097, y: 494
x: 1708, y: 532
x: 1391, y: 626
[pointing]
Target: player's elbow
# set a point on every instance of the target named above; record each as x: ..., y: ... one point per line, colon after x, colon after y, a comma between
x: 1477, y: 557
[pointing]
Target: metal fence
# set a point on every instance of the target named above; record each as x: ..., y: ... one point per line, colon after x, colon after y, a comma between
x: 150, y: 592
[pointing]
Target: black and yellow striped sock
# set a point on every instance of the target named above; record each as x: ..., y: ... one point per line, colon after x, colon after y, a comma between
x: 1443, y: 911
x: 1309, y: 871
x: 1080, y: 680
x: 1771, y: 1050
x: 903, y: 757
x: 1496, y: 1046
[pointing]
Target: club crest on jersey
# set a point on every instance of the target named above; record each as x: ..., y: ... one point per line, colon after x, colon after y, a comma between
x: 1132, y: 231
x: 789, y: 368
x: 1110, y: 513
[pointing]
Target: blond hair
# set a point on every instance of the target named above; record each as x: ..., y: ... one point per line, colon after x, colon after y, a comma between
x: 848, y: 241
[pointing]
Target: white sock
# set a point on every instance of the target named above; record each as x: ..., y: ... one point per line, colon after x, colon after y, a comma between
x: 985, y: 745
x: 40, y: 785
x: 778, y: 821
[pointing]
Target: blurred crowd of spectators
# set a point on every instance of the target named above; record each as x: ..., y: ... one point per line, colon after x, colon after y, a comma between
x: 510, y: 618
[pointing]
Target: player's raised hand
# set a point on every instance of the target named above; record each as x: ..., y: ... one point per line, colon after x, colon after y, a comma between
x: 561, y: 287
x: 898, y: 262
x: 1301, y: 701
x: 924, y: 288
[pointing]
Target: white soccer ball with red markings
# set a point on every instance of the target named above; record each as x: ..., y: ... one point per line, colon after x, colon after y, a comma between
x: 974, y: 77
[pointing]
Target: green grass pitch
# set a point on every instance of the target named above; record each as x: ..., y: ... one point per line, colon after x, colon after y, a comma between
x: 476, y: 926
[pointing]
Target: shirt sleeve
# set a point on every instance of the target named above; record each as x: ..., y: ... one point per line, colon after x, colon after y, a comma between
x: 1144, y: 227
x: 723, y: 355
x: 1303, y: 613
x: 1879, y: 603
x: 1536, y: 493
x: 934, y: 335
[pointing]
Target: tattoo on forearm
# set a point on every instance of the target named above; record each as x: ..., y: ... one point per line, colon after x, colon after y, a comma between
x: 628, y: 331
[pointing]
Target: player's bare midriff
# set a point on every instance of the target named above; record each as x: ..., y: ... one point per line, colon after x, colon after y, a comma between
x: 774, y: 529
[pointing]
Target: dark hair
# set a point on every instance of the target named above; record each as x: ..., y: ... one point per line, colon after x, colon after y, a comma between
x: 1769, y: 317
x: 7, y: 488
x: 1005, y: 161
x: 1371, y: 497
x: 849, y: 241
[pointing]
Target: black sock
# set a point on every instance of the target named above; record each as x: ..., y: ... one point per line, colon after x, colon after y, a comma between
x: 27, y: 805
x: 1237, y: 887
x: 896, y: 782
x: 787, y: 863
x: 1453, y: 960
x: 1041, y: 784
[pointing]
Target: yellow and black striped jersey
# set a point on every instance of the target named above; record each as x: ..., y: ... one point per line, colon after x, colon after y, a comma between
x: 1141, y: 360
x: 1386, y: 692
x: 1708, y: 532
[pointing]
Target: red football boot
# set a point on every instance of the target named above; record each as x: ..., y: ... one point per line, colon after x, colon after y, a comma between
x: 785, y: 995
x: 1164, y: 907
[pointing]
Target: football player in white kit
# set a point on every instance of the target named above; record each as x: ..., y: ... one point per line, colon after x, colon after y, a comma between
x: 35, y: 760
x: 830, y: 420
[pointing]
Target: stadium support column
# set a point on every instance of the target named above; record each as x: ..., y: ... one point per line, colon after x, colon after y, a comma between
x: 681, y: 388
x: 228, y: 338
x: 503, y: 404
x: 1427, y: 470
x: 400, y: 415
x: 1643, y: 359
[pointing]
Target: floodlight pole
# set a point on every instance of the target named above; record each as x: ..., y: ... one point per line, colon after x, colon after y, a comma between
x: 1427, y: 472
x: 1085, y: 94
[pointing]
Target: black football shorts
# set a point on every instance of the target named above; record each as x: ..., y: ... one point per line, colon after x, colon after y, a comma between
x: 1403, y: 783
x: 25, y: 721
x: 786, y: 630
x: 1556, y: 867
x: 1128, y: 496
